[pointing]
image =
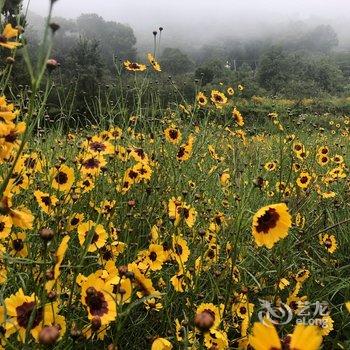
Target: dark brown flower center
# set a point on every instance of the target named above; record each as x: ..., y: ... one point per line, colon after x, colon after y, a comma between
x: 97, y: 146
x: 304, y: 179
x: 61, y: 178
x: 181, y: 152
x: 18, y: 245
x: 96, y: 302
x: 46, y: 200
x: 267, y: 221
x: 218, y: 98
x: 133, y: 174
x: 24, y: 313
x: 173, y: 134
x: 153, y: 256
x: 30, y: 163
x: 11, y: 137
x: 91, y: 163
x: 74, y: 221
x: 178, y: 249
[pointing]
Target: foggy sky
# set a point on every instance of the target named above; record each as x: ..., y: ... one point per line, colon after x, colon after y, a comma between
x: 202, y: 18
x: 135, y: 12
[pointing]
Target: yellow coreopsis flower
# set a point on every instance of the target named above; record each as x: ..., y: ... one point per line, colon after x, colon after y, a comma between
x: 9, y: 33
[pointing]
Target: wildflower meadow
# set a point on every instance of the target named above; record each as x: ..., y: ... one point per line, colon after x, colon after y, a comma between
x: 190, y: 226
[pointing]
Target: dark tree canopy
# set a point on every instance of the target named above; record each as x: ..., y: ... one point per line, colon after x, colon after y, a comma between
x: 116, y: 39
x: 175, y: 61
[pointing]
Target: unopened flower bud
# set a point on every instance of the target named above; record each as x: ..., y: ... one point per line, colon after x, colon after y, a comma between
x: 49, y: 335
x: 205, y: 320
x: 95, y: 323
x: 52, y: 64
x: 10, y: 60
x: 46, y: 234
x: 54, y: 27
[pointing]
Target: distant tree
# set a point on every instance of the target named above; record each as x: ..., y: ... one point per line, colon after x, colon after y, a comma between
x: 321, y: 39
x: 204, y: 74
x: 273, y: 69
x: 174, y: 61
x: 209, y: 71
x: 65, y: 39
x: 11, y: 7
x: 115, y: 39
x: 85, y: 65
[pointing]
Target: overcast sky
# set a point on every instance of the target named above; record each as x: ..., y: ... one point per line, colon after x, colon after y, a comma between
x: 136, y: 11
x: 203, y: 20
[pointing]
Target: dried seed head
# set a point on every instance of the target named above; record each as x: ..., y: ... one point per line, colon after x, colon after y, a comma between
x: 95, y: 323
x: 10, y: 60
x: 49, y: 335
x: 46, y: 234
x: 54, y: 27
x: 52, y: 64
x: 204, y: 321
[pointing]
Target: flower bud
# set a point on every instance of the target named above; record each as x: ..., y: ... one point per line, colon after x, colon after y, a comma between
x: 52, y: 64
x: 204, y: 321
x: 49, y: 335
x: 46, y: 234
x: 10, y: 60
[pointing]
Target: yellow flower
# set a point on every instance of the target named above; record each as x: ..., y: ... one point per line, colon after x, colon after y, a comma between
x: 322, y: 159
x: 329, y: 242
x: 161, y: 344
x: 215, y: 339
x: 172, y: 135
x: 180, y: 280
x: 265, y: 337
x: 10, y: 137
x: 304, y: 180
x: 270, y: 224
x: 237, y: 116
x: 5, y: 226
x: 143, y: 283
x: 153, y: 62
x: 60, y: 253
x: 99, y: 235
x: 22, y: 218
x: 134, y: 67
x: 62, y: 178
x: 305, y: 337
x: 180, y: 249
x: 302, y: 275
x: 325, y: 324
x: 155, y: 257
x: 218, y: 98
x: 185, y: 150
x: 270, y: 166
x: 347, y: 305
x: 46, y: 202
x: 7, y: 111
x: 283, y: 283
x: 97, y: 145
x: 230, y: 91
x: 201, y: 99
x: 225, y: 179
x: 97, y: 296
x: 9, y: 33
x: 20, y: 308
x: 19, y: 245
